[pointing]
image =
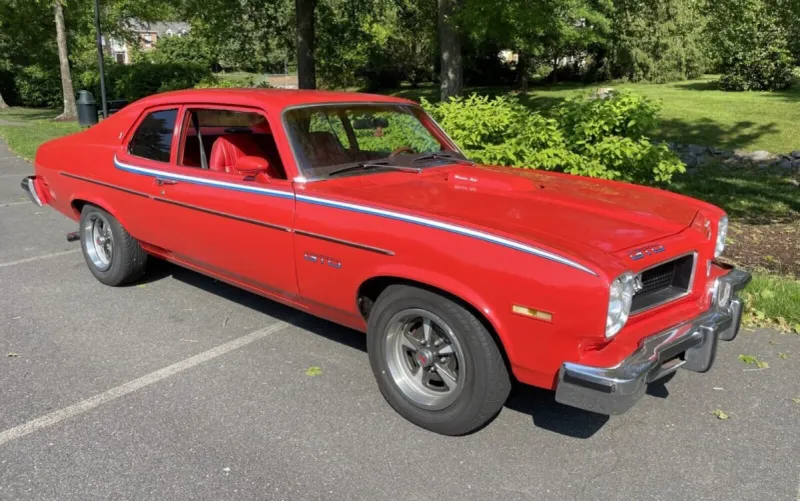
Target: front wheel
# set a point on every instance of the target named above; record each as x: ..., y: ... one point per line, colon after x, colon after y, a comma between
x: 114, y: 257
x: 435, y: 362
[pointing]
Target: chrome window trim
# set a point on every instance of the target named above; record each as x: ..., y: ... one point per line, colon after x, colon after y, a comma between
x: 676, y: 298
x: 301, y: 177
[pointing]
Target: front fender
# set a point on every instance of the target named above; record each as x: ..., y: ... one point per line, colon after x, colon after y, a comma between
x: 450, y: 285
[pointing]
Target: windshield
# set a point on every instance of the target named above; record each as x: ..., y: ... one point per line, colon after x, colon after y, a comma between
x: 327, y: 138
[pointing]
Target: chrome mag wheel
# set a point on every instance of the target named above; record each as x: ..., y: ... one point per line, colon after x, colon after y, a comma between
x: 98, y: 241
x: 425, y: 358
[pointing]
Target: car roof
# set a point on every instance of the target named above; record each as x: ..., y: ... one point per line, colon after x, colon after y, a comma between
x: 275, y: 99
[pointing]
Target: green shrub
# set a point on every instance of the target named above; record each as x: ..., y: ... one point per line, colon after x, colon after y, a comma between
x: 214, y: 82
x: 604, y: 138
x: 188, y: 49
x: 751, y: 44
x: 38, y: 87
x: 135, y: 81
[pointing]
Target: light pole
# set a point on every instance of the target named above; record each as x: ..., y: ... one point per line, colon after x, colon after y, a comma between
x: 100, y: 58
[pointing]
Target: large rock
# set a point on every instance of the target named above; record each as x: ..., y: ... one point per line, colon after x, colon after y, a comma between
x: 697, y: 150
x: 796, y: 154
x: 762, y: 156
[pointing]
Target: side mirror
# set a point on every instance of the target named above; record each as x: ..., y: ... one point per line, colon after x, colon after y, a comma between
x: 252, y: 166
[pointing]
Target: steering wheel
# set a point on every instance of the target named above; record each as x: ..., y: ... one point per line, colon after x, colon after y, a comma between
x: 402, y: 149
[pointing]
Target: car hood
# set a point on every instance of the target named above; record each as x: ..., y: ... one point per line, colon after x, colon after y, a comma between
x: 563, y: 211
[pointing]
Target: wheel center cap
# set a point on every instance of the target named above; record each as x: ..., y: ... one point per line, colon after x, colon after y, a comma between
x: 424, y: 357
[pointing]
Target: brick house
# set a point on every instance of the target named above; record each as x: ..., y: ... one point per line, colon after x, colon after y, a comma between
x: 146, y: 34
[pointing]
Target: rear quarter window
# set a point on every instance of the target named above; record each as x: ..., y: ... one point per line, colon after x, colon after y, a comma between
x: 153, y: 138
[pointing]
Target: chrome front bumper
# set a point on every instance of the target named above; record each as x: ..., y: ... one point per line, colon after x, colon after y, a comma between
x: 691, y: 345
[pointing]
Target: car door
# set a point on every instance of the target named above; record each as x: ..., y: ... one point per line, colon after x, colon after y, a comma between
x: 229, y: 224
x: 149, y: 144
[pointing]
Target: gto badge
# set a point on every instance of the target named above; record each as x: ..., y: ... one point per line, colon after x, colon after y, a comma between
x: 316, y: 258
x: 647, y: 251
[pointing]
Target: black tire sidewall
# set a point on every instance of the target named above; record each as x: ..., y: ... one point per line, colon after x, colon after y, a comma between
x: 458, y: 417
x: 115, y: 273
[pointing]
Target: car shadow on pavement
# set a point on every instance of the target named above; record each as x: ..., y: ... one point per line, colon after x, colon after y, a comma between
x: 550, y: 415
x: 158, y: 269
x: 538, y: 403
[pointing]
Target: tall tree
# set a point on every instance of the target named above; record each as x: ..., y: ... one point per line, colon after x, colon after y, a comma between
x: 70, y: 109
x: 306, y: 67
x: 452, y: 71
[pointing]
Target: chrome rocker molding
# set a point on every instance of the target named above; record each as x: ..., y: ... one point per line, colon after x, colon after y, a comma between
x: 614, y: 390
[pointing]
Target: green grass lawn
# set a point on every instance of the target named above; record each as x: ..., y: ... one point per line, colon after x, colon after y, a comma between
x: 775, y: 299
x: 37, y: 126
x: 693, y: 112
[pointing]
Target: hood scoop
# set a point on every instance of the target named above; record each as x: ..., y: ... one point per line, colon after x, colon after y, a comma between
x: 475, y: 179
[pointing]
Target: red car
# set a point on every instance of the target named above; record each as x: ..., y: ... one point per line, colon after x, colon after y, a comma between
x: 360, y: 209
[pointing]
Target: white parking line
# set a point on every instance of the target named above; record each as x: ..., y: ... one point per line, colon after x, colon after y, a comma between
x: 37, y: 258
x: 137, y: 384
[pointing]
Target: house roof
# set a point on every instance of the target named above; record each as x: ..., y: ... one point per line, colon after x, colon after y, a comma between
x: 159, y: 27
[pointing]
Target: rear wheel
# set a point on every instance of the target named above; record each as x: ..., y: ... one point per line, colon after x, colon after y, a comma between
x: 114, y: 257
x: 435, y: 362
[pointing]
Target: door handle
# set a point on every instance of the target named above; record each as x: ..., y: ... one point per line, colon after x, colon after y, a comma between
x: 162, y: 182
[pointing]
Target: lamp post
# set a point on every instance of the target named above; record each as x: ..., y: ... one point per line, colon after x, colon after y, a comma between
x: 100, y: 57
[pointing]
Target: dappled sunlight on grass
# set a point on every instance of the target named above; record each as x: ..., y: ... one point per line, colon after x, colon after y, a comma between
x: 693, y: 112
x: 751, y: 195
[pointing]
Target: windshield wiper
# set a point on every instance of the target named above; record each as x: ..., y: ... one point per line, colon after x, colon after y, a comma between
x: 443, y: 156
x: 374, y: 165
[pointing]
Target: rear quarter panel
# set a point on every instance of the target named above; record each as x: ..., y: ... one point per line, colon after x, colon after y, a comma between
x: 90, y: 155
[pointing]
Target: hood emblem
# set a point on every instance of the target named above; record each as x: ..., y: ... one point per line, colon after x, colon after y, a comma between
x: 646, y: 251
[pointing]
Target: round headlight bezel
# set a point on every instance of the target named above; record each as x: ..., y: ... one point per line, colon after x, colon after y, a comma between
x: 620, y: 299
x: 722, y: 234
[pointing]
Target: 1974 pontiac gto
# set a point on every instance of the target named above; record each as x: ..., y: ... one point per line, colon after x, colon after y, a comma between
x: 360, y: 209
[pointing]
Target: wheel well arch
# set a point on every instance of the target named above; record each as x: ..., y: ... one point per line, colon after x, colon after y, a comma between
x: 371, y: 288
x: 78, y: 205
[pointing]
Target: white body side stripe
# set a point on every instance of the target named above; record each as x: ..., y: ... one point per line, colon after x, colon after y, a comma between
x: 430, y: 223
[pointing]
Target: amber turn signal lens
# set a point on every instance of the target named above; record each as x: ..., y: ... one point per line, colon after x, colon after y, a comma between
x: 530, y: 312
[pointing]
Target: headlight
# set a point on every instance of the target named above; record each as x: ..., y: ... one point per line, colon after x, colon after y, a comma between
x: 620, y: 297
x: 722, y: 233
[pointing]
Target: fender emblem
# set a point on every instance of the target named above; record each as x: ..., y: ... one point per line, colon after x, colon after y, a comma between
x: 315, y: 258
x: 647, y: 251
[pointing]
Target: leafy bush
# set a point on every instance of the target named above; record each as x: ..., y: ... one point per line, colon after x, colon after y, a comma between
x: 751, y: 45
x: 188, y: 49
x: 603, y: 138
x: 214, y: 82
x: 38, y: 87
x: 135, y: 81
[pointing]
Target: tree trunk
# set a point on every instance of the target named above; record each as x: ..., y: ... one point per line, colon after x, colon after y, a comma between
x: 3, y: 104
x: 522, y: 71
x: 452, y: 75
x: 70, y: 111
x: 306, y: 67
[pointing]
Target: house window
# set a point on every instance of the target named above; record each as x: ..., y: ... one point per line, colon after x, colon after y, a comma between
x: 153, y: 138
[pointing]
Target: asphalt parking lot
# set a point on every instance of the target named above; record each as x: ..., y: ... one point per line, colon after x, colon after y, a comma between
x: 180, y: 387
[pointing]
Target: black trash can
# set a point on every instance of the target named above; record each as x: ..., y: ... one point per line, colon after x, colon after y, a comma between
x: 87, y: 109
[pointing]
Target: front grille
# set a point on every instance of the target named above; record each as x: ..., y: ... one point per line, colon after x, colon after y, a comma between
x: 663, y: 283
